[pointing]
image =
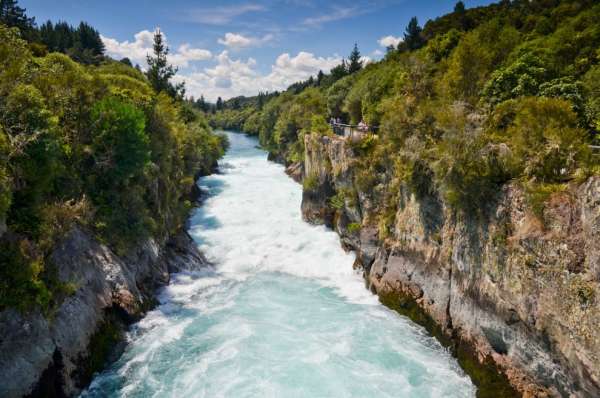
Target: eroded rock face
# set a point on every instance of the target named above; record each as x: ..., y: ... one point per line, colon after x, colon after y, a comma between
x: 42, y: 355
x: 521, y: 295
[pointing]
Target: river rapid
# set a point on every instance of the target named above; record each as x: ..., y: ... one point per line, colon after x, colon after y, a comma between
x: 281, y: 314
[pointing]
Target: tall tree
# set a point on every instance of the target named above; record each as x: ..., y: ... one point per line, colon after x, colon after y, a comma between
x: 160, y: 72
x: 354, y: 62
x: 219, y: 103
x: 339, y: 71
x: 320, y: 77
x: 461, y: 15
x: 89, y: 38
x: 14, y: 16
x: 412, y: 36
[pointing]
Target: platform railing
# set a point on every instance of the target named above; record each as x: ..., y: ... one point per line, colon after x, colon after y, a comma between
x: 350, y: 130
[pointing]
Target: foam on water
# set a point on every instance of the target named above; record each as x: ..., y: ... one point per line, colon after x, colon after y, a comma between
x: 282, y: 314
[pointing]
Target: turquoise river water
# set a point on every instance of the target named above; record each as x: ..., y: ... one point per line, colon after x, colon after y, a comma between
x: 281, y: 314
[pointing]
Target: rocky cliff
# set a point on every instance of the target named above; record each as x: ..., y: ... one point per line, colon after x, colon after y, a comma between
x: 56, y: 354
x: 515, y: 299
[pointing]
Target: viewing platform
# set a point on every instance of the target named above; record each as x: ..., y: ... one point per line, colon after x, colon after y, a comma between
x: 353, y: 131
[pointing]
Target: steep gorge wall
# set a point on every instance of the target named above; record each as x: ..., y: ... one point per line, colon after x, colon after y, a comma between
x: 504, y: 290
x: 56, y: 354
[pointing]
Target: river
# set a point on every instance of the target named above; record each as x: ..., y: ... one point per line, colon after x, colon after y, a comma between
x: 282, y: 314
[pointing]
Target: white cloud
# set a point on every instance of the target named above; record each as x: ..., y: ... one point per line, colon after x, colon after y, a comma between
x: 137, y: 50
x: 221, y: 15
x: 390, y: 40
x: 338, y: 13
x: 233, y: 77
x: 237, y: 41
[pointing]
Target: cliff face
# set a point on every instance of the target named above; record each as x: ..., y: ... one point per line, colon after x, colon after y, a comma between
x: 56, y: 354
x: 503, y: 290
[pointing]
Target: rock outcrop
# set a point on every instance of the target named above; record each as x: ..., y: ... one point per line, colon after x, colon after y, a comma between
x: 517, y: 297
x: 56, y: 354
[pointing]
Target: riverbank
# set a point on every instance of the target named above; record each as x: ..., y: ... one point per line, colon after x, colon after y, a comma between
x: 493, y: 289
x: 56, y: 354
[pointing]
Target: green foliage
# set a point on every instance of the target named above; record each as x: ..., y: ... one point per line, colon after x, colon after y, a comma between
x: 310, y: 182
x: 120, y: 145
x: 440, y: 47
x: 14, y: 57
x: 545, y: 138
x: 160, y: 72
x: 14, y: 16
x: 521, y: 78
x: 94, y: 146
x: 591, y: 87
x: 470, y: 168
x: 354, y: 227
x: 363, y: 99
x: 475, y: 57
x: 336, y: 96
x: 21, y: 282
x: 5, y: 183
x: 412, y: 36
x: 538, y: 194
x: 82, y: 43
x: 337, y: 201
x: 478, y: 98
x: 354, y: 62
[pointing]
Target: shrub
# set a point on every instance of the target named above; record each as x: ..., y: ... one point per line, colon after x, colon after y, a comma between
x: 120, y: 144
x: 337, y: 201
x: 544, y: 135
x: 310, y: 182
x: 521, y: 78
x: 354, y: 227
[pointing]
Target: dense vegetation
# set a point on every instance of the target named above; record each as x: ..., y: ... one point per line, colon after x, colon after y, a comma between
x: 474, y: 99
x: 98, y: 144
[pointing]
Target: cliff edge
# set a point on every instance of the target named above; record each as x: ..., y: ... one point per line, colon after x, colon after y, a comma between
x: 514, y: 295
x: 45, y: 355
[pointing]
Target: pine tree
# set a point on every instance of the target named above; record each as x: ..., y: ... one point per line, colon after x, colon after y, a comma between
x: 320, y: 77
x: 461, y: 14
x: 126, y: 61
x: 412, y: 36
x: 14, y: 16
x: 160, y: 72
x: 339, y: 71
x: 354, y: 62
x: 219, y: 103
x: 89, y: 38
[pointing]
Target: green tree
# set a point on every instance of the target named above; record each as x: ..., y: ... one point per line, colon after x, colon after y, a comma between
x: 14, y: 16
x: 120, y: 144
x: 354, y: 62
x: 412, y: 35
x: 320, y: 77
x: 160, y: 72
x: 461, y: 15
x: 89, y: 38
x: 339, y: 71
x: 522, y: 77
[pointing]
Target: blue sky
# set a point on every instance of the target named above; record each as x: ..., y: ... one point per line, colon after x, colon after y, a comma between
x: 229, y: 48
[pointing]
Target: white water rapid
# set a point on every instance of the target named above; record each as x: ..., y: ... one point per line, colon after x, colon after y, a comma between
x: 282, y: 314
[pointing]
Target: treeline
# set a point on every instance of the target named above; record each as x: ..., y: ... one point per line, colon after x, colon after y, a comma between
x: 105, y: 147
x: 82, y: 43
x: 474, y: 99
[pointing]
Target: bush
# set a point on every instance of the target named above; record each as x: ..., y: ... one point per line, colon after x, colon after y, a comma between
x: 120, y: 145
x: 591, y: 87
x: 310, y: 182
x: 521, y: 78
x: 544, y: 136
